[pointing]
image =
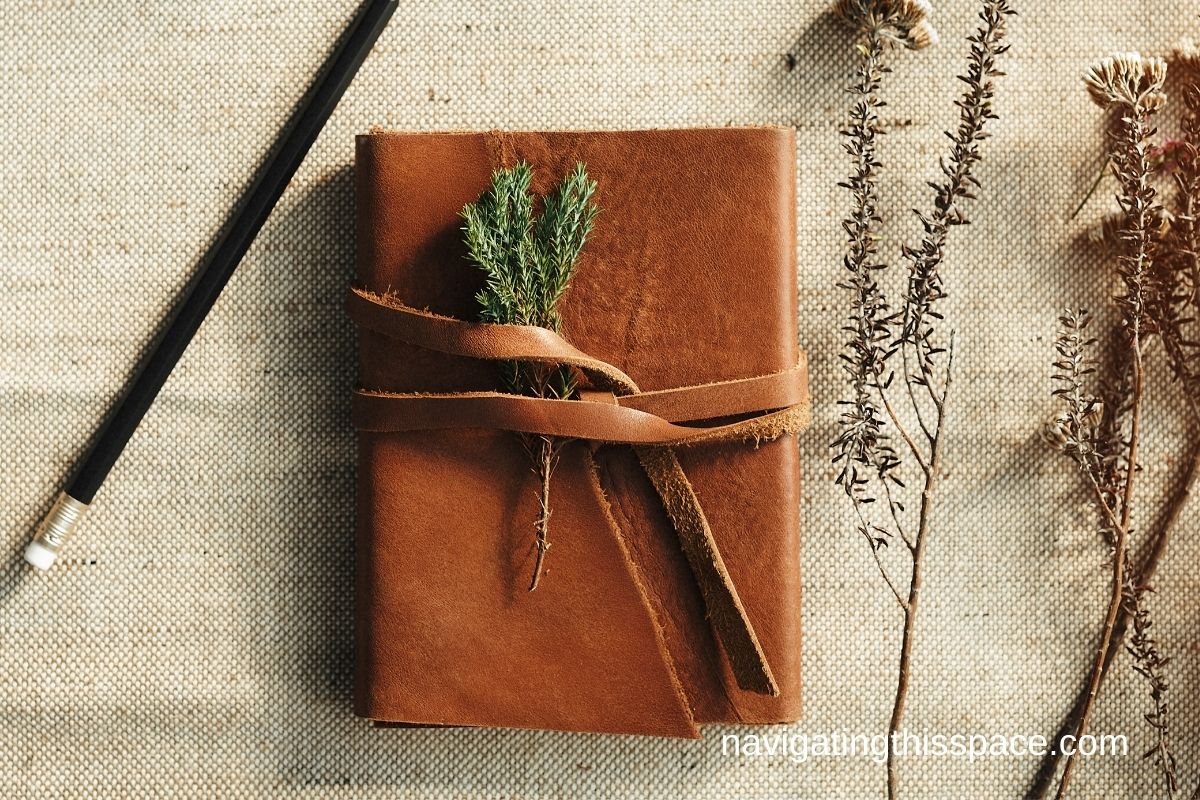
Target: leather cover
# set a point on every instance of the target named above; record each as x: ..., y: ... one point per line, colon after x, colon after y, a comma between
x: 689, y: 278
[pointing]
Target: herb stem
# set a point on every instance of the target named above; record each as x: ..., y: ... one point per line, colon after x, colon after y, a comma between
x: 528, y: 260
x: 545, y: 468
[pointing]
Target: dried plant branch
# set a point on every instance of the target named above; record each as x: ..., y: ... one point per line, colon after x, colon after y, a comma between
x: 1144, y: 576
x: 870, y: 465
x: 1157, y: 283
x: 1131, y: 87
x: 1150, y: 664
x: 915, y: 323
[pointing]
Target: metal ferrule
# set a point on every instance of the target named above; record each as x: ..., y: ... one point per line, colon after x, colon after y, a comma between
x: 59, y: 523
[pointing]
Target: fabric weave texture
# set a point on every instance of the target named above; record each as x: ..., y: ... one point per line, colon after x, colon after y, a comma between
x: 196, y: 640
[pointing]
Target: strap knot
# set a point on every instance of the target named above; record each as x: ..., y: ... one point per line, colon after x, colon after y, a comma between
x: 609, y: 409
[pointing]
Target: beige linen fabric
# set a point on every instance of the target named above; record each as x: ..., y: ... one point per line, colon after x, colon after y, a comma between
x: 197, y: 639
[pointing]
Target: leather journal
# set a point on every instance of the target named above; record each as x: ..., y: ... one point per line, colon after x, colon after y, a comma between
x: 671, y: 595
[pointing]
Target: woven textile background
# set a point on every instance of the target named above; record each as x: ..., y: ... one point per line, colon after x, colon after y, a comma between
x: 197, y: 639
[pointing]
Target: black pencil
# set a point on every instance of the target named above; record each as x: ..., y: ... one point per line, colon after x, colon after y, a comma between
x: 291, y: 148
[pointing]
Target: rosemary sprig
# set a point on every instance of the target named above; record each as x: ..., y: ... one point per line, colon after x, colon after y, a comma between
x: 528, y: 261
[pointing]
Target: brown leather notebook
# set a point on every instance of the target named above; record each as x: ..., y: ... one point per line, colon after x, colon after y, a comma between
x: 688, y: 280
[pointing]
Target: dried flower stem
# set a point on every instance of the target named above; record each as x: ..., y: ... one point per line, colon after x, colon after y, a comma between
x: 1132, y: 86
x: 1142, y: 576
x: 869, y: 462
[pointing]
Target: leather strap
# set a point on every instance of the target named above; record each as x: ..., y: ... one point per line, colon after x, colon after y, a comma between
x: 384, y: 314
x: 611, y: 410
x: 747, y: 660
x: 785, y: 389
x: 611, y: 423
x: 382, y: 411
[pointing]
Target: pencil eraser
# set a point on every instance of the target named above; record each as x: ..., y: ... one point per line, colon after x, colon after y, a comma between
x: 54, y: 531
x: 40, y: 556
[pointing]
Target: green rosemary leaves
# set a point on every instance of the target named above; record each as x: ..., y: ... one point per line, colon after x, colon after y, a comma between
x: 528, y: 260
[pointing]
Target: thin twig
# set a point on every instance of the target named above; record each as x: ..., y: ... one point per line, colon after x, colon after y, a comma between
x: 912, y: 395
x: 888, y: 579
x: 915, y: 585
x: 865, y: 527
x: 893, y: 506
x: 1151, y: 665
x: 1102, y: 501
x: 904, y: 434
x: 1091, y: 191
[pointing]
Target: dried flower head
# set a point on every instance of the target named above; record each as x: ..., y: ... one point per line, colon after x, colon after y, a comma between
x: 1128, y: 79
x: 922, y: 35
x: 1055, y: 433
x: 902, y: 22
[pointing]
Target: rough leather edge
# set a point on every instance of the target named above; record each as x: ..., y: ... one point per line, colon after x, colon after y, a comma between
x: 640, y: 584
x: 726, y: 614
